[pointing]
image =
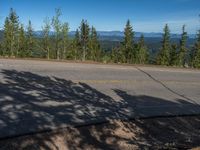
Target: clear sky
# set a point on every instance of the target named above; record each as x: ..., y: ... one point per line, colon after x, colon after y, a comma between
x: 109, y: 15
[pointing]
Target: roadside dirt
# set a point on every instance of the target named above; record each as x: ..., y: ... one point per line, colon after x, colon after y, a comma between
x: 160, y: 133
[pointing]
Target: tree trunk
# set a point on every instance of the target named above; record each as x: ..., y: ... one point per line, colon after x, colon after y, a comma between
x: 48, y: 53
x: 84, y: 49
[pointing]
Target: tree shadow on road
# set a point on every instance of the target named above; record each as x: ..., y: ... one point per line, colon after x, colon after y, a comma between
x: 30, y: 102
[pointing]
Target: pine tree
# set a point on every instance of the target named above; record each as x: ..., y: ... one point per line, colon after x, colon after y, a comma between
x: 76, y: 44
x: 29, y: 40
x: 65, y: 40
x: 142, y: 56
x: 128, y: 43
x: 115, y: 55
x: 46, y: 39
x: 56, y: 23
x: 14, y: 20
x: 22, y: 42
x: 196, y: 52
x: 84, y: 37
x: 163, y: 57
x: 7, y: 37
x: 1, y: 49
x: 94, y: 45
x: 173, y: 55
x: 11, y: 25
x: 183, y: 50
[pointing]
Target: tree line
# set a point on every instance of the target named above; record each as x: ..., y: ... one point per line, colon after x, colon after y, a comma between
x: 54, y: 43
x: 19, y: 41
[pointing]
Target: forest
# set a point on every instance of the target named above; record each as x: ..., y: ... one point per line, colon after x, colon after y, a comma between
x: 20, y: 41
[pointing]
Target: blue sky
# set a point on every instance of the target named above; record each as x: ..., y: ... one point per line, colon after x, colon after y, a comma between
x: 109, y: 15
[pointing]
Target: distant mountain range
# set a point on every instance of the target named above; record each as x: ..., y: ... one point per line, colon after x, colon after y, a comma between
x: 110, y: 39
x: 116, y: 35
x: 138, y: 34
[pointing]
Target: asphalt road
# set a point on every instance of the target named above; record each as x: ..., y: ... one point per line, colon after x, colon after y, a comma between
x: 40, y: 95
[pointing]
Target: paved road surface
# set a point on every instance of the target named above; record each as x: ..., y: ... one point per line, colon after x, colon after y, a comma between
x: 38, y: 95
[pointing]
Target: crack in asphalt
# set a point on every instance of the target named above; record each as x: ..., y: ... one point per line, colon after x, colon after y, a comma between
x: 165, y: 86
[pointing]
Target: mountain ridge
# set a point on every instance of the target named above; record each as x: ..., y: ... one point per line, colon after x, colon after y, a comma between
x: 121, y: 34
x: 116, y: 35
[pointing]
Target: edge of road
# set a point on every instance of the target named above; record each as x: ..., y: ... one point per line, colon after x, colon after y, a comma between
x: 101, y: 63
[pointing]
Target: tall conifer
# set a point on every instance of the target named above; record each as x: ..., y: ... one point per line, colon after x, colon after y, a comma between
x: 22, y: 42
x: 30, y: 39
x: 84, y: 37
x: 128, y: 42
x: 163, y: 57
x: 142, y: 56
x: 94, y: 45
x: 76, y: 44
x: 182, y: 54
x: 196, y: 52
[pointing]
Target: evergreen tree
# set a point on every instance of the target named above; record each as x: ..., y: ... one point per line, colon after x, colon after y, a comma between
x: 94, y: 45
x: 173, y: 55
x: 46, y: 39
x: 196, y: 52
x: 116, y: 55
x: 84, y: 37
x: 22, y: 42
x: 7, y: 37
x: 11, y: 35
x: 128, y: 52
x: 76, y: 44
x: 65, y: 40
x: 1, y: 49
x: 182, y: 54
x: 56, y: 23
x: 29, y: 40
x: 14, y: 24
x: 163, y: 57
x: 142, y: 56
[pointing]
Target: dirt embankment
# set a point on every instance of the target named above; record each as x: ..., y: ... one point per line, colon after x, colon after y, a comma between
x: 160, y: 133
